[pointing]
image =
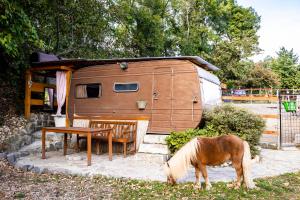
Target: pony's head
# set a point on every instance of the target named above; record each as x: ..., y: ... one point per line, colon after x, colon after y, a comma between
x: 177, y: 166
x: 170, y: 179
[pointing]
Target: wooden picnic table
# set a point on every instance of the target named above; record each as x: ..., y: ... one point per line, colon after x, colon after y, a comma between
x: 89, y: 132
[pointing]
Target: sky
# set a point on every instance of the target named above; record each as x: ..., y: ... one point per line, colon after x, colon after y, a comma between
x: 280, y: 25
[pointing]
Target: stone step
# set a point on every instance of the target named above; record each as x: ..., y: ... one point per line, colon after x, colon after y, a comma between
x: 155, y: 139
x: 50, y: 136
x: 154, y: 149
x: 36, y: 147
x: 157, y: 158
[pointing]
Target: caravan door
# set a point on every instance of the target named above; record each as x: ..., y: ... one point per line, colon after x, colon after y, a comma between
x: 162, y: 85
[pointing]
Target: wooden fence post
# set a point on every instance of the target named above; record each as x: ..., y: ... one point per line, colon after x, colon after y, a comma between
x: 27, y: 94
x: 68, y: 85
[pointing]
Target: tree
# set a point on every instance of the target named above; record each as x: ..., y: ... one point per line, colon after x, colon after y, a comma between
x: 143, y: 28
x: 262, y: 77
x: 222, y: 32
x: 286, y: 67
x: 72, y: 28
x: 18, y: 38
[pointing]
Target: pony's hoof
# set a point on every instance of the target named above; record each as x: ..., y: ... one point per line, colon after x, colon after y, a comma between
x: 197, y: 186
x: 233, y: 185
x: 236, y: 187
x: 208, y: 186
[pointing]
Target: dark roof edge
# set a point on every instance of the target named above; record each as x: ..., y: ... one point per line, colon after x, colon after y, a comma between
x: 85, y: 62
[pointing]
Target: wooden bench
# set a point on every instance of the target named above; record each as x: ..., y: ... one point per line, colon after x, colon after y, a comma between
x: 123, y: 132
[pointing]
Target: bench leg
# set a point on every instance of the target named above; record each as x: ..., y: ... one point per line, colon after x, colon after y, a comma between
x: 134, y: 146
x: 124, y: 149
x: 97, y: 146
x: 65, y: 143
x: 77, y: 148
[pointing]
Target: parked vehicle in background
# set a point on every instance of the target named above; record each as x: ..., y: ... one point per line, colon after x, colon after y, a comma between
x: 239, y: 92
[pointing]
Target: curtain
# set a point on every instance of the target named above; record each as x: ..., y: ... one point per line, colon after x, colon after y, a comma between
x: 81, y: 91
x: 50, y: 93
x: 60, y: 90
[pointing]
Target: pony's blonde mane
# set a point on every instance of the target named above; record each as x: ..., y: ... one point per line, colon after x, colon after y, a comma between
x: 181, y: 161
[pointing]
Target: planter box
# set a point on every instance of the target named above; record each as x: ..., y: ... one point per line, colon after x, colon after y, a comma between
x: 60, y: 120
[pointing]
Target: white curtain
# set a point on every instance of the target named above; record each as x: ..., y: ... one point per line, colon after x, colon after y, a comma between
x: 81, y: 91
x: 61, y: 81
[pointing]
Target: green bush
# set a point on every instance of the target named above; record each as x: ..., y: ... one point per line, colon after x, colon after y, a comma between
x: 177, y: 139
x: 223, y: 120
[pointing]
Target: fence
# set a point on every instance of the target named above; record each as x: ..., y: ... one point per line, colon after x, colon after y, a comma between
x: 279, y: 108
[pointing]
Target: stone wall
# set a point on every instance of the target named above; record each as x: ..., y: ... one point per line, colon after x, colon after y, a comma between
x: 19, y: 137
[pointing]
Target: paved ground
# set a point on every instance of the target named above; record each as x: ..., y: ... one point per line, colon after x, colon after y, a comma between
x: 274, y: 162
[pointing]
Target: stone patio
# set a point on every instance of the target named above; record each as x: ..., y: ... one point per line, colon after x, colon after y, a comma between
x: 273, y: 162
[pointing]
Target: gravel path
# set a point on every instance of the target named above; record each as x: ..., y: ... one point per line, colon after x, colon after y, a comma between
x: 273, y: 162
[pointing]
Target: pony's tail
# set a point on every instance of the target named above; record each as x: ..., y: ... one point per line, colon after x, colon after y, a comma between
x: 247, y: 164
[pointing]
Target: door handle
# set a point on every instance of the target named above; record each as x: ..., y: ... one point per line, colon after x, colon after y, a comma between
x: 155, y: 95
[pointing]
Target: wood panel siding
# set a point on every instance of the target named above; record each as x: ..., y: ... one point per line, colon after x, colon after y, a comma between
x: 176, y: 82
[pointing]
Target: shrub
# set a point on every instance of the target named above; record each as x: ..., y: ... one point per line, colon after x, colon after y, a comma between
x: 223, y: 120
x: 177, y: 139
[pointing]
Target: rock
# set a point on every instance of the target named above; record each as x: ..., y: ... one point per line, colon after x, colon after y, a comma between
x: 30, y: 167
x: 27, y: 139
x: 24, y: 153
x: 23, y: 132
x: 11, y: 158
x: 33, y: 117
x: 52, y: 147
x: 25, y: 167
x: 3, y: 155
x: 30, y: 127
x: 58, y: 145
x: 17, y: 155
x: 37, y: 170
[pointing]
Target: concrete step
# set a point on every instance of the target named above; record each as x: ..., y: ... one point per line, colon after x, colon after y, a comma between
x: 157, y: 158
x: 50, y: 136
x: 155, y: 139
x: 154, y: 149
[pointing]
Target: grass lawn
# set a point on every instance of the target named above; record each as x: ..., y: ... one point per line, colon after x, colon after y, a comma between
x: 16, y: 184
x: 286, y: 186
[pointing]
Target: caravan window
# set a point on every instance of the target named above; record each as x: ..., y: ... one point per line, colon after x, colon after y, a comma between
x: 126, y: 87
x: 92, y: 90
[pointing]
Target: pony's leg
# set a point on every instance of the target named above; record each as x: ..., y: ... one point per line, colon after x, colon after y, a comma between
x: 239, y: 172
x: 197, y: 174
x: 204, y: 174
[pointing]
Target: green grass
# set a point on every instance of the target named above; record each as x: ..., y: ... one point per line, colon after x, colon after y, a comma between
x: 282, y: 187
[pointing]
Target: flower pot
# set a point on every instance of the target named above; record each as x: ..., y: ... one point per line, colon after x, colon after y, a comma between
x: 60, y: 120
x: 141, y: 104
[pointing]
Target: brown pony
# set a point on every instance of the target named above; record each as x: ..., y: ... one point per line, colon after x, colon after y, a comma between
x: 202, y: 151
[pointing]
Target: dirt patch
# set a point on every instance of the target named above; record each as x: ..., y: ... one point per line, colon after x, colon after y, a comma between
x: 16, y: 183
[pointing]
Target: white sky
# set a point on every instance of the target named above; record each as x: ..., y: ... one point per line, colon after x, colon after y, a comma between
x: 280, y: 25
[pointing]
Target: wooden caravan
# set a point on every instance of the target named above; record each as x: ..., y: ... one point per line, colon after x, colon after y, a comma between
x: 170, y: 92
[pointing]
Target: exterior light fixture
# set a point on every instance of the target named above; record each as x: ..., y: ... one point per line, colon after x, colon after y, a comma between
x: 123, y: 65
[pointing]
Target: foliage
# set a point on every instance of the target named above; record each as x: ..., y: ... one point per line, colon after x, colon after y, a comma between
x: 223, y: 120
x: 227, y: 119
x: 177, y: 139
x: 261, y: 77
x: 72, y: 28
x: 17, y: 34
x: 286, y: 66
x: 18, y: 39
